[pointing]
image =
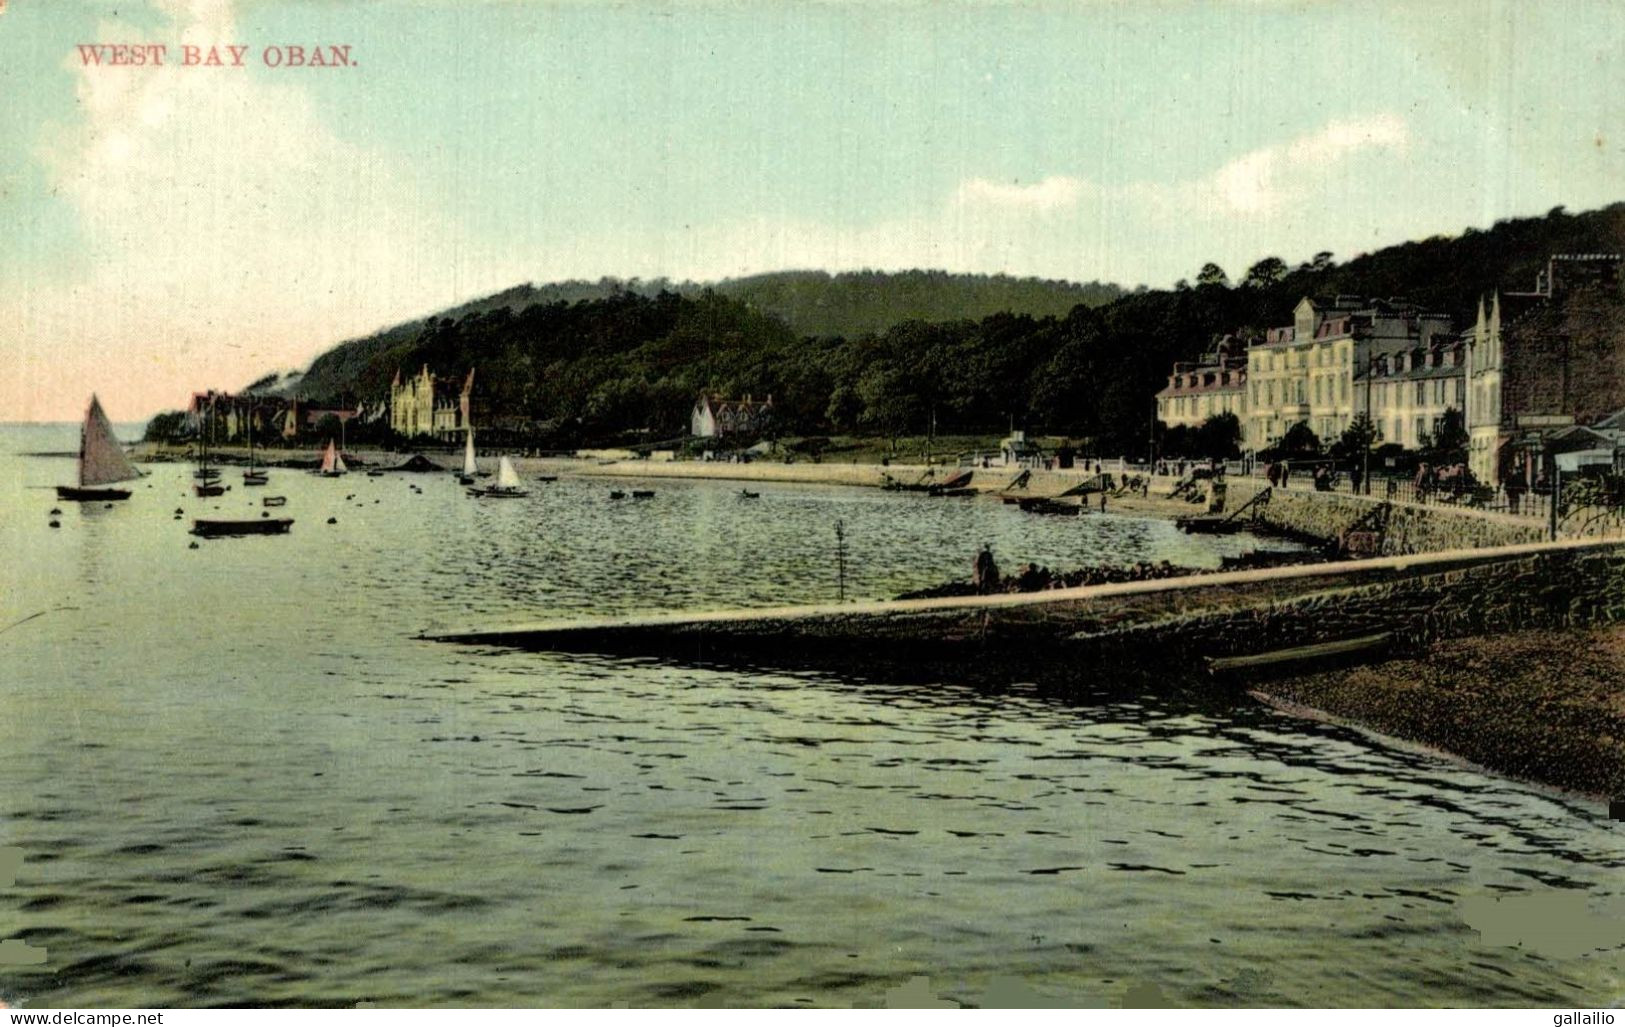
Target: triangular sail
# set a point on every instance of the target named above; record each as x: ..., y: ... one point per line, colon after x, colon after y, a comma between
x: 507, y: 477
x: 338, y: 463
x: 101, y: 458
x: 330, y: 458
x: 469, y: 466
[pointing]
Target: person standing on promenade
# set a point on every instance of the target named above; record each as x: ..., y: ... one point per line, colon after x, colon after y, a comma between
x: 985, y: 573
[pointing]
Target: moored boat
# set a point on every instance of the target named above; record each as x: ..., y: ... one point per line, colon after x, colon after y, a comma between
x: 332, y: 462
x: 101, y: 461
x: 207, y: 528
x: 254, y: 475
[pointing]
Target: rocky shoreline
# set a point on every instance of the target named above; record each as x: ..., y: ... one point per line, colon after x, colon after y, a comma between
x: 1544, y: 705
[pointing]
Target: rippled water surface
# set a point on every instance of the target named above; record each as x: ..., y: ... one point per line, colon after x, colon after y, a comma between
x: 237, y: 778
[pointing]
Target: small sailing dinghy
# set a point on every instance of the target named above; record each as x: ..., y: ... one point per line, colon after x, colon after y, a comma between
x: 254, y: 475
x: 470, y: 468
x: 508, y: 485
x: 208, y: 478
x: 101, y: 461
x: 332, y: 462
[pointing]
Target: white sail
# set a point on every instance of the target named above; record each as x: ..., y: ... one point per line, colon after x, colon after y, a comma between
x: 101, y: 458
x: 330, y: 458
x: 507, y: 477
x: 469, y: 467
x: 338, y: 463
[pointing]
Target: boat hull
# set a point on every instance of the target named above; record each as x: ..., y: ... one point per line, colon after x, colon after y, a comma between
x: 209, y: 490
x: 497, y: 492
x: 255, y: 478
x: 222, y: 529
x: 84, y: 495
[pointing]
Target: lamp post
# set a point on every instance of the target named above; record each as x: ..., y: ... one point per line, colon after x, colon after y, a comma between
x: 1365, y: 456
x: 1555, y: 477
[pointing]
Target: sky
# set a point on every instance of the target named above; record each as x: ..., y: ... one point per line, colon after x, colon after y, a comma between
x: 165, y: 229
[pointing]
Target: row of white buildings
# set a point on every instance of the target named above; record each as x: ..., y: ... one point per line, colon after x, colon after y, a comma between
x: 1533, y: 363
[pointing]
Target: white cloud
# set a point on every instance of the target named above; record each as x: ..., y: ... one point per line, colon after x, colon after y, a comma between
x: 1287, y: 198
x: 1053, y: 193
x: 226, y: 230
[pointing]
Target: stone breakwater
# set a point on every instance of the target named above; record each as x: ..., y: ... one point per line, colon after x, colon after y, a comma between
x: 1170, y: 621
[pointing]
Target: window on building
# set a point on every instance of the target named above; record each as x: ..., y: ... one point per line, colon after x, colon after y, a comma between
x: 1421, y: 428
x: 1421, y: 393
x: 1461, y: 392
x: 1438, y: 392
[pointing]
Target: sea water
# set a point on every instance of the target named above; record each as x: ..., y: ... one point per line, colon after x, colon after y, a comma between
x: 236, y: 776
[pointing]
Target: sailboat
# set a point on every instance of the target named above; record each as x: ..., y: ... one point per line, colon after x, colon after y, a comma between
x: 208, y: 478
x: 508, y: 485
x: 101, y: 461
x: 332, y: 462
x: 470, y: 468
x: 204, y: 472
x: 253, y: 476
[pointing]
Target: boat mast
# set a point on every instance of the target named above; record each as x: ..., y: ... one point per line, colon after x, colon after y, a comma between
x: 84, y: 436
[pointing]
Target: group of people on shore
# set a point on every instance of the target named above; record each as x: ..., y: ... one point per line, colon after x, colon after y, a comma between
x: 1032, y: 577
x: 1325, y: 476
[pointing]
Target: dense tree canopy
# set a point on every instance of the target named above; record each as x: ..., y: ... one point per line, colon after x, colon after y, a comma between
x: 620, y: 357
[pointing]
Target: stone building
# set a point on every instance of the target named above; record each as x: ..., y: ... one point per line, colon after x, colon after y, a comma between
x: 1317, y: 369
x: 426, y: 405
x: 1215, y: 384
x: 1544, y: 360
x: 1412, y: 382
x: 713, y: 417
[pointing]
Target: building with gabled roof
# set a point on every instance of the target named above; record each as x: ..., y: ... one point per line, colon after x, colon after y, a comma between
x: 714, y: 417
x: 424, y: 404
x: 1543, y: 360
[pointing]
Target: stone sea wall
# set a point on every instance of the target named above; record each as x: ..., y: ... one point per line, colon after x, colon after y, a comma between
x: 1556, y: 588
x: 1410, y: 528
